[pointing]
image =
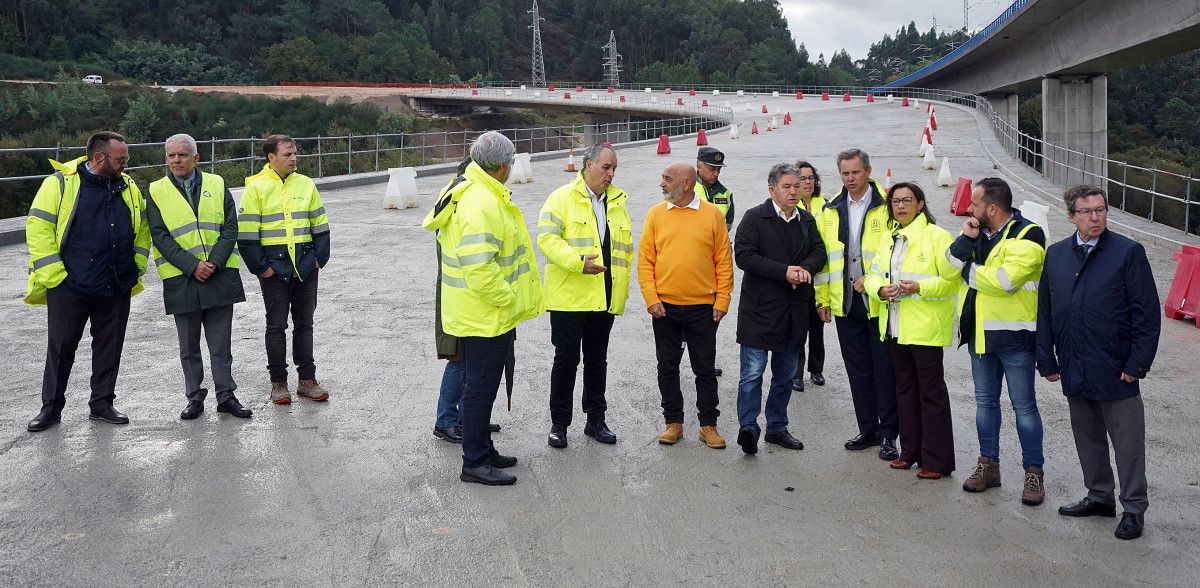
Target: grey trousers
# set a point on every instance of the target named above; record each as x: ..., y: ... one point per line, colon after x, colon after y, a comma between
x: 218, y: 331
x: 1093, y: 422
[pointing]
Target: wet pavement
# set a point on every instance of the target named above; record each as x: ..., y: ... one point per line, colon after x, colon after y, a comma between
x: 356, y: 491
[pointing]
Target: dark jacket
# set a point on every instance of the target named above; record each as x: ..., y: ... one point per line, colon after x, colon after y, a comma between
x: 183, y: 294
x: 770, y: 310
x: 1097, y: 317
x: 840, y: 205
x: 99, y: 255
x: 258, y: 257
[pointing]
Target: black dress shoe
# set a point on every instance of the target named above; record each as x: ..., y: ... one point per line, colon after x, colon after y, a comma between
x: 717, y: 372
x: 784, y: 439
x: 109, y: 415
x: 487, y: 474
x: 503, y: 461
x: 599, y: 431
x: 1088, y: 508
x: 748, y: 439
x: 192, y: 410
x: 887, y: 450
x: 494, y: 427
x: 861, y: 441
x: 558, y: 437
x: 798, y: 384
x: 48, y: 417
x: 1130, y: 526
x: 818, y: 379
x: 451, y: 434
x: 235, y: 408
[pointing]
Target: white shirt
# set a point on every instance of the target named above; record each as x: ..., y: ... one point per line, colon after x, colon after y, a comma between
x: 779, y: 211
x: 1092, y: 243
x: 600, y: 209
x: 858, y: 214
x: 694, y: 204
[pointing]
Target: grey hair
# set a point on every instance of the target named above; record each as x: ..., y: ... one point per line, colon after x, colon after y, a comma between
x: 492, y: 151
x: 1073, y: 194
x: 182, y: 138
x: 593, y: 152
x: 779, y: 170
x: 849, y: 154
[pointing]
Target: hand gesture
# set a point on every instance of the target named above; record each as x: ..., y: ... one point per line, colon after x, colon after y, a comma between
x: 971, y: 227
x: 657, y: 310
x: 591, y: 267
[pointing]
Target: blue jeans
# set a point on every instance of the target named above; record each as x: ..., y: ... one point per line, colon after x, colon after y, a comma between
x: 749, y: 400
x: 451, y: 395
x: 1017, y: 368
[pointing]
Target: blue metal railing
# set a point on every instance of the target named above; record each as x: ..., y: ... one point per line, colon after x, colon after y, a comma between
x: 979, y: 37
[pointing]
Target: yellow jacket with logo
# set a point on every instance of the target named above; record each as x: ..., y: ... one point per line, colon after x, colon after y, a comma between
x: 567, y: 232
x: 282, y: 224
x: 831, y: 287
x: 490, y: 280
x: 49, y: 224
x: 917, y: 253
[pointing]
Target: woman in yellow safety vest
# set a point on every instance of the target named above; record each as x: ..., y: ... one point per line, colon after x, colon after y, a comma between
x: 916, y: 319
x: 814, y: 202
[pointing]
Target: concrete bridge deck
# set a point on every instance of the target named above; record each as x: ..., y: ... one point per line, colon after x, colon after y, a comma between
x: 357, y: 492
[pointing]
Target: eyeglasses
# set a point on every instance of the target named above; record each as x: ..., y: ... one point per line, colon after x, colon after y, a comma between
x: 807, y: 179
x: 1099, y: 211
x: 119, y: 160
x: 905, y: 201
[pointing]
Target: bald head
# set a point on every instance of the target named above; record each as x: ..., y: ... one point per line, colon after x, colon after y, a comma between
x: 678, y: 183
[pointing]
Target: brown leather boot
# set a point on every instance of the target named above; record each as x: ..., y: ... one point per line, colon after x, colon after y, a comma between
x: 711, y: 438
x: 672, y: 435
x: 986, y: 475
x: 311, y: 390
x: 1035, y: 490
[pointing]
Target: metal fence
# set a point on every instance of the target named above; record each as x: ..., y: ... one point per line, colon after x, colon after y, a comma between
x: 321, y: 156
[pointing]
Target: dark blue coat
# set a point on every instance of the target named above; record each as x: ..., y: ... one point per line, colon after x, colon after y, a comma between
x: 1097, y: 318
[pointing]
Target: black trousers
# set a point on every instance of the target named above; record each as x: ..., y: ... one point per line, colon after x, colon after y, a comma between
x: 869, y: 368
x: 483, y: 359
x: 816, y: 345
x: 923, y: 404
x: 67, y: 312
x: 571, y: 332
x: 299, y: 299
x: 694, y: 325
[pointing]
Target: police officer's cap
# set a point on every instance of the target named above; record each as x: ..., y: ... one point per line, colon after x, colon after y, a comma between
x: 711, y: 156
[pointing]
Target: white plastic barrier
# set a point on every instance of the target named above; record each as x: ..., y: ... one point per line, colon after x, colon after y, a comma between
x: 716, y: 92
x: 1037, y: 213
x: 741, y: 92
x: 775, y: 94
x: 522, y: 86
x: 401, y: 188
x: 522, y: 170
x: 508, y: 92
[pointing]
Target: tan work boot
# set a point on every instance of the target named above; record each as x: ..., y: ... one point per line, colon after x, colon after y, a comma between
x: 1035, y: 490
x: 986, y: 475
x: 672, y: 435
x: 311, y: 390
x: 711, y: 438
x: 280, y: 393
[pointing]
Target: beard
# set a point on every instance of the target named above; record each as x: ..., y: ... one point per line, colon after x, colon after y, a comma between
x: 670, y: 197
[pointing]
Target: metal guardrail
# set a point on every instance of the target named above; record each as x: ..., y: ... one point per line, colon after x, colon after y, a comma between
x: 680, y: 105
x: 971, y: 43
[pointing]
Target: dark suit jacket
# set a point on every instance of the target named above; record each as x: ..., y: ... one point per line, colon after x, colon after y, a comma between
x: 1097, y: 317
x: 769, y: 306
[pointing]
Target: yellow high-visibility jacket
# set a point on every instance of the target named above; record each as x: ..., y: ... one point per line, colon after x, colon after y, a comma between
x: 917, y: 253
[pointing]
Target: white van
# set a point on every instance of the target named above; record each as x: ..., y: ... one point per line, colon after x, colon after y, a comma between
x: 93, y: 79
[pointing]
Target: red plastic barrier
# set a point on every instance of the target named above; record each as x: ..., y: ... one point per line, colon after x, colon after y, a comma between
x: 701, y: 138
x: 611, y: 89
x: 904, y: 101
x: 550, y: 88
x: 1183, y: 300
x: 870, y: 97
x: 754, y: 128
x: 961, y: 203
x: 704, y: 102
x: 799, y: 95
x: 928, y: 135
x: 679, y: 102
x: 474, y: 92
x: 566, y: 95
x: 933, y: 121
x: 764, y: 109
x: 578, y: 89
x: 846, y: 97
x: 666, y: 90
x: 664, y: 145
x: 622, y: 97
x: 825, y: 96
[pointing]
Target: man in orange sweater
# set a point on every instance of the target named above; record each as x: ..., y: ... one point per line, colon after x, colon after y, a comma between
x: 686, y: 274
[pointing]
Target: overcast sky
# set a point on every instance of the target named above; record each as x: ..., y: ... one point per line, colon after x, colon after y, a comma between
x: 824, y: 26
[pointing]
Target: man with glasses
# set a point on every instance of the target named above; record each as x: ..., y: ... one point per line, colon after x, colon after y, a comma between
x: 88, y: 243
x: 1098, y: 327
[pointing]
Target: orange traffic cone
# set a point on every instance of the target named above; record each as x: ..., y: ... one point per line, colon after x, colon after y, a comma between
x: 904, y: 101
x: 754, y: 128
x: 887, y: 183
x: 701, y: 138
x: 570, y: 161
x: 664, y: 145
x: 764, y: 109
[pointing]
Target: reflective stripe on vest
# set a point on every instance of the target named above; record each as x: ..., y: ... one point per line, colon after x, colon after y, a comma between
x: 195, y: 232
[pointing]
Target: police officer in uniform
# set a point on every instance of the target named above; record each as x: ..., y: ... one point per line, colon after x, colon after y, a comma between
x: 709, y: 161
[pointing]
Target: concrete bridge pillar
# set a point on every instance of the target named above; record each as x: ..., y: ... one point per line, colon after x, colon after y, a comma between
x: 1074, y: 123
x: 605, y: 128
x: 1005, y: 106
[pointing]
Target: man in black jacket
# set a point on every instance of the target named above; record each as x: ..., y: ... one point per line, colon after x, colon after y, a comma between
x: 1097, y: 333
x: 193, y: 222
x: 779, y: 250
